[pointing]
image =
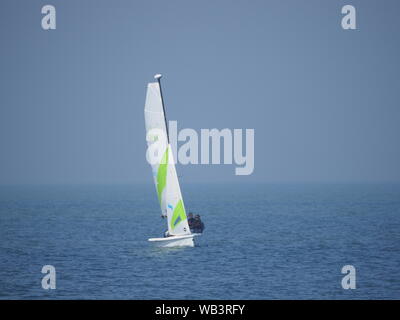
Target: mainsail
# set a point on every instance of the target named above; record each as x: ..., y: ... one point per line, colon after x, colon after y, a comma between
x: 161, y: 159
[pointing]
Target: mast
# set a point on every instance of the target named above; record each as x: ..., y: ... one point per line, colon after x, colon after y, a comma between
x: 158, y: 78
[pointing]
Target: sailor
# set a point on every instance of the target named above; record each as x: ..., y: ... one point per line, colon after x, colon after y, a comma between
x: 198, y: 225
x: 190, y: 220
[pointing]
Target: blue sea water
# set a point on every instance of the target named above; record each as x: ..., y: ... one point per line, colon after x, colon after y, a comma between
x: 260, y: 242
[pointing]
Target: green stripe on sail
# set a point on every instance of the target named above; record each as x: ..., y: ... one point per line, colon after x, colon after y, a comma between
x: 179, y: 212
x: 162, y: 175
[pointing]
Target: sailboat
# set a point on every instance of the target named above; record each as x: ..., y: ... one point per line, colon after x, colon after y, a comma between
x: 164, y: 172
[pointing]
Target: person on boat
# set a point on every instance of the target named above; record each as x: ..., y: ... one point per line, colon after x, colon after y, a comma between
x: 197, y: 225
x: 190, y: 219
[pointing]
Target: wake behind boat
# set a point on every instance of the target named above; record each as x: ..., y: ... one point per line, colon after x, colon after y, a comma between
x: 159, y: 154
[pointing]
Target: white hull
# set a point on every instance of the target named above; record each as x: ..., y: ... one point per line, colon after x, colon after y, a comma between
x: 174, y: 241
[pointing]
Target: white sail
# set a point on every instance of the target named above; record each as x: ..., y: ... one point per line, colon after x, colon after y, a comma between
x: 176, y: 214
x: 156, y: 137
x: 163, y: 167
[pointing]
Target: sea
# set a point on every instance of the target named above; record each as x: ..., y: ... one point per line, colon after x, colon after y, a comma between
x: 261, y: 241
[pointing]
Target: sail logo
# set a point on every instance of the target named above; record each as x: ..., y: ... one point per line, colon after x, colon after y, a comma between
x: 227, y: 147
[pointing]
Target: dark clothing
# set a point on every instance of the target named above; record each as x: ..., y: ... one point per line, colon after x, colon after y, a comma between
x: 197, y: 226
x: 190, y: 222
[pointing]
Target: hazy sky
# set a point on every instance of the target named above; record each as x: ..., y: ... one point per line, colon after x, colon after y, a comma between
x: 324, y: 102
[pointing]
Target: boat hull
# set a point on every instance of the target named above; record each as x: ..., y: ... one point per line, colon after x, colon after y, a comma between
x: 174, y: 241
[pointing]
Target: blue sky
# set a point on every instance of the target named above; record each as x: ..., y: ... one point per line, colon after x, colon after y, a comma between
x: 324, y: 102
